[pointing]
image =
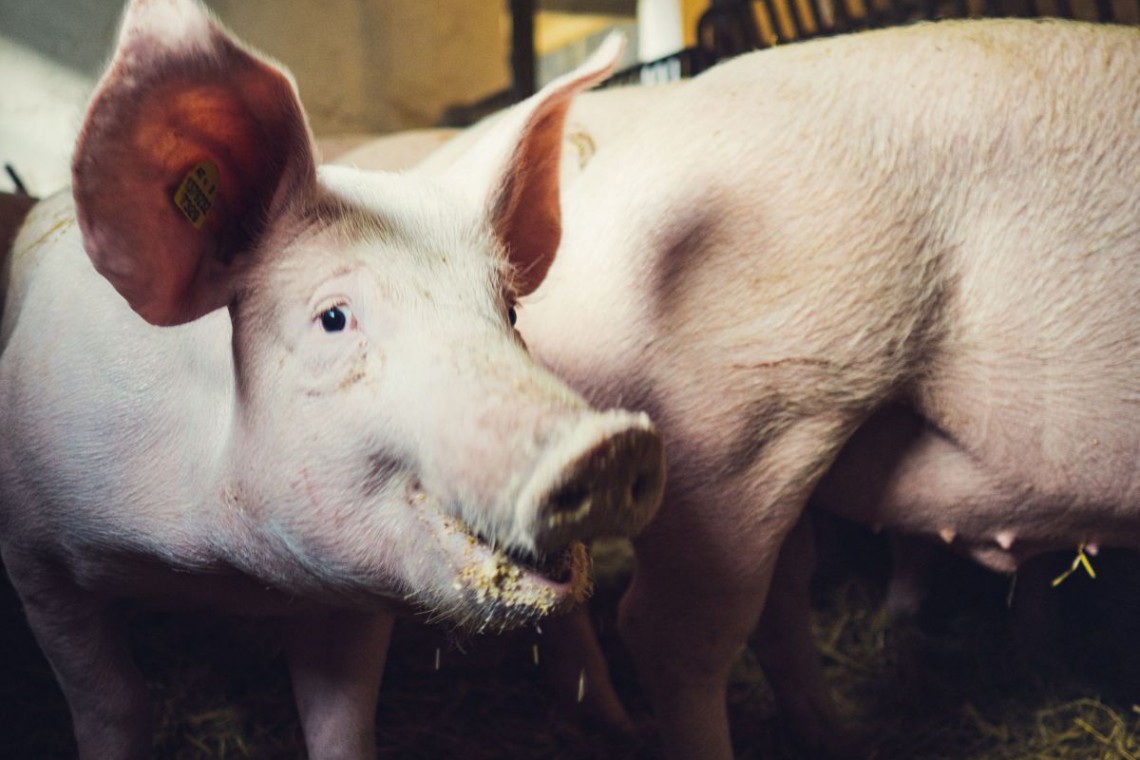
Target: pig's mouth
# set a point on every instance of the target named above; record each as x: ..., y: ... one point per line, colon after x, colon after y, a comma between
x: 519, y: 581
x: 557, y: 568
x: 500, y: 588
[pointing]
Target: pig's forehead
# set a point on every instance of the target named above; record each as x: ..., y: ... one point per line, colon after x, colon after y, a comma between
x: 395, y: 259
x: 398, y: 202
x: 405, y: 233
x: 402, y: 210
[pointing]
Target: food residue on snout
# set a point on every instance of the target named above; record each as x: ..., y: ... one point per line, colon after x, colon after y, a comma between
x: 495, y: 577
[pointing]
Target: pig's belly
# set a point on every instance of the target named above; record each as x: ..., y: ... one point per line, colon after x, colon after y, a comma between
x: 901, y: 473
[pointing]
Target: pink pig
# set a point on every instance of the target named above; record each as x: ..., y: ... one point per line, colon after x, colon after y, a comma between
x: 897, y: 273
x: 278, y: 389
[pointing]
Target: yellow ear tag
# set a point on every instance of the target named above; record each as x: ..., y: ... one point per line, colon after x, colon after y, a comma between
x: 195, y: 196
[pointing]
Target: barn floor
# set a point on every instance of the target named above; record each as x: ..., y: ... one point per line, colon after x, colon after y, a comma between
x: 954, y: 683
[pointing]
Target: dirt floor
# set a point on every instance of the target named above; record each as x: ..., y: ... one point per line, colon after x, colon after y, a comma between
x: 961, y: 680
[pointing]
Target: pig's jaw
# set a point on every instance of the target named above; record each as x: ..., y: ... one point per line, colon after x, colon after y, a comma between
x: 424, y: 558
x: 487, y: 587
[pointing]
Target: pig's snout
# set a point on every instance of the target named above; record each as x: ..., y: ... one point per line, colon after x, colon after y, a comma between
x: 606, y: 479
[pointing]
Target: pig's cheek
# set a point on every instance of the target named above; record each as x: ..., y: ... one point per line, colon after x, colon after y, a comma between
x: 340, y: 374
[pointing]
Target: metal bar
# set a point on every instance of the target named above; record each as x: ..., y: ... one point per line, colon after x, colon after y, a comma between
x: 728, y: 28
x: 522, y: 49
x: 841, y: 19
x: 1104, y: 11
x: 21, y: 189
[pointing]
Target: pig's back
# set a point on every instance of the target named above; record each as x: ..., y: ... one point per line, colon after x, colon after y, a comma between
x: 947, y: 207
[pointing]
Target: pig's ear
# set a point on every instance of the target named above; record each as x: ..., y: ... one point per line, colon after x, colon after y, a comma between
x: 520, y: 158
x: 191, y: 146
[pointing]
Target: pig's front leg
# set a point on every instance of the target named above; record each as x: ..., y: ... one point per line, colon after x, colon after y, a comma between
x: 576, y: 670
x: 685, y: 619
x: 703, y: 571
x: 84, y: 639
x: 337, y: 661
x: 788, y: 655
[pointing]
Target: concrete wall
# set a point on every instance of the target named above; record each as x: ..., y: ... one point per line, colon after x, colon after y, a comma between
x: 361, y: 65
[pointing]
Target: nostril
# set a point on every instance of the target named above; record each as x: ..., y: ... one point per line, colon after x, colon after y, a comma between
x: 641, y: 487
x: 569, y: 498
x: 610, y: 485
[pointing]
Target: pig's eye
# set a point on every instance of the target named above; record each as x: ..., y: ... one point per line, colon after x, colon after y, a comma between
x: 334, y: 320
x: 512, y: 315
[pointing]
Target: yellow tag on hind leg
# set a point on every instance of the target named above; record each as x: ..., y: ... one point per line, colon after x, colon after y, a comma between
x: 1081, y: 560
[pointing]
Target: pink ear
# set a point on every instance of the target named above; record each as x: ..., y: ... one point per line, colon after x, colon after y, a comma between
x: 524, y: 153
x: 190, y: 147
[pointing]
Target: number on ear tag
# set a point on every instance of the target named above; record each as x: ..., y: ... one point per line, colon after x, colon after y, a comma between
x: 195, y: 196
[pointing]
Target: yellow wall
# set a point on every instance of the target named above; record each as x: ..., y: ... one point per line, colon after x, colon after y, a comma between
x: 379, y: 65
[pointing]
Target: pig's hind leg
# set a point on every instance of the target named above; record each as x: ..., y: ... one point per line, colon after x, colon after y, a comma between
x: 336, y: 661
x: 83, y: 637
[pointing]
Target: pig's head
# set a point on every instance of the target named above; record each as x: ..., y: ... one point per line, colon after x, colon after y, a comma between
x: 391, y: 436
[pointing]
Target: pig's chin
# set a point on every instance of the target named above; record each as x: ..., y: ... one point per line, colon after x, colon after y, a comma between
x: 493, y: 589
